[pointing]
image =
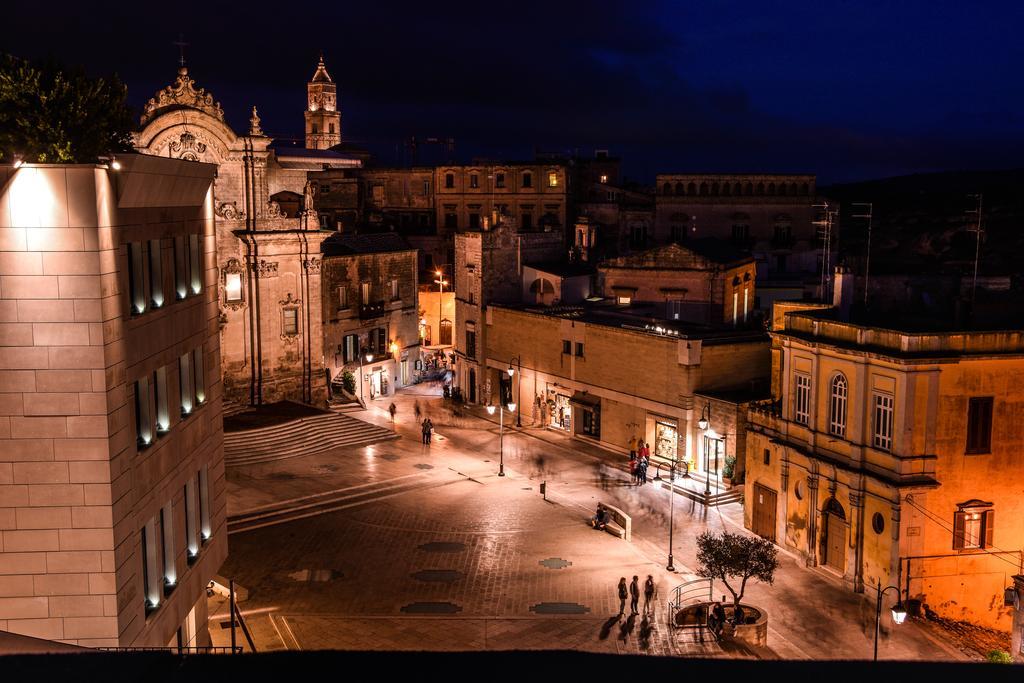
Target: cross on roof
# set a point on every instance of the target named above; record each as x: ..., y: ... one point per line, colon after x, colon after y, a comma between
x: 180, y: 42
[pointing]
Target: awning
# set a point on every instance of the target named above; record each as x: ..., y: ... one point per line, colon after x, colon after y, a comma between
x: 582, y: 398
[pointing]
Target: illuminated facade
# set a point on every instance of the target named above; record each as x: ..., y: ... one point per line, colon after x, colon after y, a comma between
x: 112, y: 494
x: 890, y: 455
x: 323, y: 119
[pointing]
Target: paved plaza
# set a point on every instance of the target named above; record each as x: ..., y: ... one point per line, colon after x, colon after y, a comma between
x: 398, y: 545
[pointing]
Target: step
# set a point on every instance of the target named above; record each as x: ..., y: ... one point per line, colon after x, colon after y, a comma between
x: 301, y: 437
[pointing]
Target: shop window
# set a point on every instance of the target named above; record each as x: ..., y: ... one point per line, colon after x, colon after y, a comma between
x: 979, y: 425
x: 803, y: 398
x: 973, y: 525
x: 883, y: 419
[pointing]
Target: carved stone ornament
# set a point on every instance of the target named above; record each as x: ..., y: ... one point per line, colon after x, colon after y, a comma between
x: 274, y: 210
x: 312, y: 266
x: 229, y: 211
x: 187, y: 147
x: 254, y: 123
x: 182, y: 93
x: 265, y: 268
x: 290, y: 301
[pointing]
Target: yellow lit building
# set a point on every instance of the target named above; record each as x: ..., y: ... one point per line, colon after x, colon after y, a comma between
x: 892, y: 455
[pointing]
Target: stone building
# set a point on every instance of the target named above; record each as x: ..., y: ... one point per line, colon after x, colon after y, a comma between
x: 889, y: 454
x: 371, y: 321
x: 112, y: 491
x: 533, y: 194
x: 605, y: 373
x: 268, y: 243
x: 489, y: 268
x: 323, y: 118
x: 772, y: 216
x: 704, y: 280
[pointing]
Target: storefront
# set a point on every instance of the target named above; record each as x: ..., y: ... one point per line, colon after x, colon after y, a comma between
x: 588, y: 414
x: 663, y: 435
x: 378, y: 382
x: 559, y: 410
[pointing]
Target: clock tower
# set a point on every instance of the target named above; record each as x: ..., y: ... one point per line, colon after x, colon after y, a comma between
x: 323, y: 120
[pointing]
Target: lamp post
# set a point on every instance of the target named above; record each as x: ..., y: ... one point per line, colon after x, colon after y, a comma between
x: 671, y: 511
x: 704, y: 422
x: 369, y: 359
x: 899, y: 612
x: 440, y: 282
x: 501, y: 433
x: 518, y: 360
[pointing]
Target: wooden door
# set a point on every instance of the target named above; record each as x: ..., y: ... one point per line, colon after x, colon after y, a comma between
x: 835, y: 543
x: 764, y: 512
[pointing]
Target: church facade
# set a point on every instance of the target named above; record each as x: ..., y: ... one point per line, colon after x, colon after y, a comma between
x: 268, y: 239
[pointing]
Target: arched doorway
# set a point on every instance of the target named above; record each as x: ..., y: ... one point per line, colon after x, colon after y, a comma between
x: 833, y: 542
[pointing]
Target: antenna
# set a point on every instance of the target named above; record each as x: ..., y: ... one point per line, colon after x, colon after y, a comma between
x: 977, y: 230
x: 865, y: 212
x: 181, y: 44
x: 825, y: 235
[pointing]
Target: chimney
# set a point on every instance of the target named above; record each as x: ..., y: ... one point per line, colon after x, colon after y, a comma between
x: 842, y: 291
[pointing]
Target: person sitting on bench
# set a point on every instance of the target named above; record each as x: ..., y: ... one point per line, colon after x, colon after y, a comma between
x: 600, y: 519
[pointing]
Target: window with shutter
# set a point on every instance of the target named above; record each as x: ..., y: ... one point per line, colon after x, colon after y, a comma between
x: 973, y: 525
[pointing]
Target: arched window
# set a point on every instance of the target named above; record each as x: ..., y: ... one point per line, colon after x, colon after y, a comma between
x: 737, y: 189
x: 691, y: 189
x: 703, y: 189
x: 680, y: 190
x: 782, y: 189
x: 666, y: 189
x: 749, y: 189
x: 714, y: 189
x: 837, y: 406
x: 792, y: 189
x: 771, y: 188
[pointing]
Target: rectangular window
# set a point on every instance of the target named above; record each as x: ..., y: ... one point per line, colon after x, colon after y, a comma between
x: 156, y: 274
x: 552, y: 179
x: 471, y: 343
x: 151, y: 561
x: 566, y: 347
x: 979, y: 425
x: 199, y: 375
x: 426, y: 188
x: 579, y: 349
x: 675, y: 310
x: 474, y: 180
x: 342, y: 297
x: 449, y: 180
x: 803, y: 398
x: 185, y: 384
x: 205, y: 530
x: 191, y: 528
x: 973, y: 528
x: 195, y: 264
x: 350, y: 348
x: 767, y: 456
x: 143, y: 412
x: 394, y: 290
x: 527, y: 179
x: 136, y: 277
x: 883, y: 414
x: 233, y: 287
x: 451, y: 221
x: 181, y: 262
x: 167, y: 545
x: 364, y: 294
x: 527, y: 221
x: 163, y: 414
x: 735, y: 306
x: 291, y: 321
x: 474, y: 221
x: 591, y: 423
x: 499, y: 180
x: 382, y: 341
x: 623, y: 300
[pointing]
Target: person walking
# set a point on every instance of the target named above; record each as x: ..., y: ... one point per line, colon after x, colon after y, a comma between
x: 425, y: 426
x: 648, y: 594
x: 632, y: 467
x: 634, y: 594
x: 418, y: 409
x: 392, y: 409
x: 623, y: 592
x: 430, y: 430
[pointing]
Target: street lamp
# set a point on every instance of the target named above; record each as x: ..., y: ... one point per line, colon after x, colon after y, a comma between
x: 704, y: 422
x: 440, y: 282
x: 518, y: 360
x: 671, y: 511
x: 899, y: 612
x: 369, y: 359
x: 501, y: 433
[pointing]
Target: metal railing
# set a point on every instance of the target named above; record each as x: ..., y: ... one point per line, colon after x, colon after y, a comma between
x: 686, y: 592
x: 184, y: 650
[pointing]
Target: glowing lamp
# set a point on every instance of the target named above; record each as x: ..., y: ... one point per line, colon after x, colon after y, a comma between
x: 899, y: 613
x: 511, y: 407
x: 702, y: 423
x: 511, y: 371
x: 490, y: 410
x: 369, y: 358
x: 115, y: 164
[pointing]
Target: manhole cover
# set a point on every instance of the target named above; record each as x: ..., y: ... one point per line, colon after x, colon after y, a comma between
x: 432, y: 608
x: 555, y: 563
x: 438, y: 575
x: 559, y: 608
x: 442, y: 547
x: 314, y: 575
x: 390, y: 457
x: 423, y: 466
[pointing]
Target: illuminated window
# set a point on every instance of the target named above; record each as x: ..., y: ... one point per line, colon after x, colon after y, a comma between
x: 149, y: 550
x: 233, y: 287
x: 623, y: 299
x: 552, y: 179
x: 191, y: 527
x: 136, y: 277
x: 604, y: 178
x: 205, y: 530
x: 291, y: 322
x: 143, y: 412
x: 156, y: 274
x: 199, y: 376
x: 973, y: 524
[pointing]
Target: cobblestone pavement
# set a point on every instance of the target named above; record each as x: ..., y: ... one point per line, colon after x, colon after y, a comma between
x: 446, y: 555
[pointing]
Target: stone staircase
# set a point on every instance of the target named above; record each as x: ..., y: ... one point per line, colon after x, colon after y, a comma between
x: 717, y: 497
x: 303, y: 436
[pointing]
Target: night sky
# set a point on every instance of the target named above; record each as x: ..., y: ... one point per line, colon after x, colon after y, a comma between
x: 849, y: 90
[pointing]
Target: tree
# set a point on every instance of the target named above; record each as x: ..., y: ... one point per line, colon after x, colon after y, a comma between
x: 737, y: 557
x: 51, y: 114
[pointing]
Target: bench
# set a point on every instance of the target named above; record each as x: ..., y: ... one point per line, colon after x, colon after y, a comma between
x: 619, y: 523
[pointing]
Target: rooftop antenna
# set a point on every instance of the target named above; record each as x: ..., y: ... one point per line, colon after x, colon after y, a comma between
x: 865, y: 210
x: 825, y: 236
x: 977, y: 230
x: 181, y: 45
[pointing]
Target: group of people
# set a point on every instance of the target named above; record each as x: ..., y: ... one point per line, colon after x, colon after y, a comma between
x: 717, y: 617
x: 600, y: 519
x: 428, y: 430
x: 639, y: 460
x: 633, y: 593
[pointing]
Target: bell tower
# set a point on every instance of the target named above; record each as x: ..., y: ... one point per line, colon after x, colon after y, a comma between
x: 323, y: 120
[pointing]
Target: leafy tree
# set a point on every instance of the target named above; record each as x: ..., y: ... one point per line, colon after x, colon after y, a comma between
x: 999, y: 657
x: 51, y: 114
x: 737, y: 557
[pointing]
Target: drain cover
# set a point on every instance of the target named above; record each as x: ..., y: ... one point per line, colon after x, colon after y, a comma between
x: 423, y: 466
x: 559, y: 608
x: 438, y: 575
x: 432, y: 608
x: 555, y: 563
x: 442, y: 547
x: 391, y: 457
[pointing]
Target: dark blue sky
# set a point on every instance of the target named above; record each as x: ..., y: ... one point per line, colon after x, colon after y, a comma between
x: 848, y: 90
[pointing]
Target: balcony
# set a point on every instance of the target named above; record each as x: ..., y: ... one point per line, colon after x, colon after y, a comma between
x: 374, y: 309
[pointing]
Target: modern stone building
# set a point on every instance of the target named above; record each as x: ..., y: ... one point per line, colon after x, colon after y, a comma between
x: 112, y: 492
x: 268, y: 240
x: 489, y: 268
x: 605, y: 373
x: 890, y: 454
x: 371, y: 319
x: 772, y: 216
